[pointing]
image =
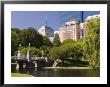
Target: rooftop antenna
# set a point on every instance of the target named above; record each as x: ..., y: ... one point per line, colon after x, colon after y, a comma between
x: 82, y: 16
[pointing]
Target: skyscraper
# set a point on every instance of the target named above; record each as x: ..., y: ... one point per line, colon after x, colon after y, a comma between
x: 82, y: 30
x: 79, y: 15
x: 46, y: 30
x: 70, y: 30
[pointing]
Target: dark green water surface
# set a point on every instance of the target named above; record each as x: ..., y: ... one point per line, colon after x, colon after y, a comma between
x: 62, y: 72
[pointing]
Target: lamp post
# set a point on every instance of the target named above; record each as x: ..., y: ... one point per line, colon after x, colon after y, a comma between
x: 19, y: 52
x: 29, y: 46
x: 42, y: 54
x: 28, y: 53
x: 19, y: 47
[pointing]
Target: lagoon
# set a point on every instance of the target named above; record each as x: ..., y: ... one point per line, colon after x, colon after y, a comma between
x: 62, y: 72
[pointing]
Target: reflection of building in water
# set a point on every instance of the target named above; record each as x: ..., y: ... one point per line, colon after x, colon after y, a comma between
x: 47, y: 31
x: 70, y: 30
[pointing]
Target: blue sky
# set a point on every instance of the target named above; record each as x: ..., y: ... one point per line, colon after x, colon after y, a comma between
x: 36, y: 19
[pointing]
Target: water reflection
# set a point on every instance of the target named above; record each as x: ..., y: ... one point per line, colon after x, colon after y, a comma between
x: 62, y: 72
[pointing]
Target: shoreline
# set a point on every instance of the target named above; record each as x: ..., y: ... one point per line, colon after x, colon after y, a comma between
x: 67, y: 68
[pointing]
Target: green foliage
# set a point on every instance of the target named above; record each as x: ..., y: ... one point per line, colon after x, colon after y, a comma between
x: 68, y: 41
x: 92, y: 42
x: 33, y: 51
x: 45, y: 50
x: 20, y: 75
x: 87, y: 49
x: 31, y: 36
x: 46, y: 41
x: 16, y: 30
x: 66, y: 51
x: 69, y: 52
x: 55, y: 53
x: 13, y: 42
x: 56, y: 40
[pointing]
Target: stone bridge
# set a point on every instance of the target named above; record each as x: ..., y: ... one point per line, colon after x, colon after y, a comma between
x: 30, y: 62
x: 33, y: 63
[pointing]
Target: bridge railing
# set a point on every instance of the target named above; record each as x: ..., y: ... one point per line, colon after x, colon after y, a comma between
x: 24, y: 58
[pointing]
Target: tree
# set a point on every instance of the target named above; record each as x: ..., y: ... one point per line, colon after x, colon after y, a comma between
x: 68, y: 41
x: 72, y: 50
x: 92, y: 42
x: 56, y: 40
x: 45, y: 50
x: 24, y: 37
x: 14, y: 38
x: 68, y: 51
x: 30, y: 35
x: 16, y: 30
x: 55, y: 53
x: 46, y: 41
x: 33, y: 51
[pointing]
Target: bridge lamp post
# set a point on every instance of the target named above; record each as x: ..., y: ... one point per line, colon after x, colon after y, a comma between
x: 19, y: 52
x: 46, y: 59
x: 19, y: 47
x: 28, y: 53
x: 29, y: 46
x: 42, y: 54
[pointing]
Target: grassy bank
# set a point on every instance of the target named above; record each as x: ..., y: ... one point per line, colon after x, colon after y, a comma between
x: 20, y: 75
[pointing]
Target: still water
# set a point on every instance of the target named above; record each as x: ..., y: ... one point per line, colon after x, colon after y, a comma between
x: 62, y: 72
